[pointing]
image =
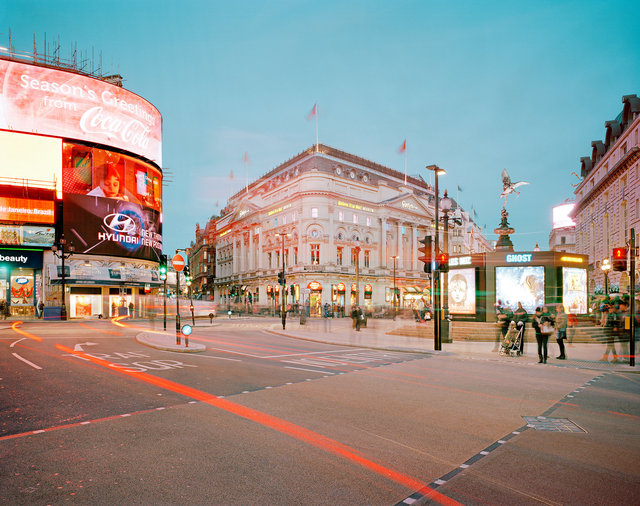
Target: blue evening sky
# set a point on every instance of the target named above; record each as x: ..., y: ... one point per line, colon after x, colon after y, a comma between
x: 475, y: 87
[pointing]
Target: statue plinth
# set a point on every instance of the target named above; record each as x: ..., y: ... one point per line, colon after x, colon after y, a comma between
x: 504, y: 230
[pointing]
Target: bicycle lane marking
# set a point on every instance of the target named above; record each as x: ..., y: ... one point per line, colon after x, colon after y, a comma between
x: 295, y: 431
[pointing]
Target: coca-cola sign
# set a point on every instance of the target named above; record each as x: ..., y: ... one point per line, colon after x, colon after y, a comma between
x: 64, y: 104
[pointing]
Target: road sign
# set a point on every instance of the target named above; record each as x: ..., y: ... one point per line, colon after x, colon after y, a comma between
x: 178, y: 262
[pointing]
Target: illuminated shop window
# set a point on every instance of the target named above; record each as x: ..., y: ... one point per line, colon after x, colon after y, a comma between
x: 354, y: 256
x: 366, y: 257
x: 339, y: 255
x: 315, y: 254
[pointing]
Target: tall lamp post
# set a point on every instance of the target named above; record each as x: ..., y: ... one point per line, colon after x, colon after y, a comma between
x: 394, y: 299
x: 283, y: 283
x: 357, y: 251
x: 59, y: 251
x: 606, y: 267
x: 445, y: 205
x: 437, y: 340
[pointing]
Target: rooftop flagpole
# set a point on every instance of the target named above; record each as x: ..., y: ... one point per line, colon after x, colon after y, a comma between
x: 314, y: 112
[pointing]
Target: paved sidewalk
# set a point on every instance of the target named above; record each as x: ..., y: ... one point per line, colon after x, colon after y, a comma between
x: 340, y: 332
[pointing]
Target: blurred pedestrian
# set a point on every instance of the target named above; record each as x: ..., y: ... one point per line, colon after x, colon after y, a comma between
x: 561, y: 330
x: 572, y: 323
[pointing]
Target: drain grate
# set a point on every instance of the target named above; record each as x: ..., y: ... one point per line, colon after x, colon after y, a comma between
x: 552, y: 424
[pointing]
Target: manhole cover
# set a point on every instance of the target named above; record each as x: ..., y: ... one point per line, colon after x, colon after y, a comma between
x: 552, y: 424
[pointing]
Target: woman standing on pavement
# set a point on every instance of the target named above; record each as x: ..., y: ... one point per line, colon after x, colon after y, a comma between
x: 542, y: 339
x: 561, y: 329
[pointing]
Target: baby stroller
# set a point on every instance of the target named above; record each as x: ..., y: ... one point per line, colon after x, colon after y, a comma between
x: 513, y: 337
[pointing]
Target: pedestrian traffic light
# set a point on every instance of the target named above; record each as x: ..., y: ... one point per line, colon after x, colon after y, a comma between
x: 619, y: 259
x: 424, y: 253
x: 281, y: 279
x: 187, y: 275
x: 162, y: 268
x: 442, y: 262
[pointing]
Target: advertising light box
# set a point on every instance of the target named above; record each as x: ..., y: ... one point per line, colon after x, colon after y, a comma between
x: 105, y: 226
x: 26, y: 210
x: 69, y: 105
x: 574, y: 290
x: 26, y: 235
x: 520, y: 284
x: 462, y: 291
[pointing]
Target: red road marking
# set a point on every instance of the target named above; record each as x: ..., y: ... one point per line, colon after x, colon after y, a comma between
x: 296, y: 431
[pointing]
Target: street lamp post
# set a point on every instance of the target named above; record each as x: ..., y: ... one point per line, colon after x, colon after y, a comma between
x: 606, y: 267
x: 59, y: 251
x: 394, y: 300
x: 283, y: 310
x: 446, y: 204
x: 357, y: 250
x: 437, y: 340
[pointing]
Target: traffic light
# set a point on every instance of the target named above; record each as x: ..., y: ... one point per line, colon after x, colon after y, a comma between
x: 619, y: 259
x: 442, y: 262
x: 162, y: 268
x: 424, y: 253
x: 281, y: 279
x: 187, y: 275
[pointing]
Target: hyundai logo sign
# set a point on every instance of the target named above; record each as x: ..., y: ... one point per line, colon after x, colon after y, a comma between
x: 121, y: 223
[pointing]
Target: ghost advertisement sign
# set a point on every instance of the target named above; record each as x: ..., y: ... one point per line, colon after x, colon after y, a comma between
x: 105, y: 226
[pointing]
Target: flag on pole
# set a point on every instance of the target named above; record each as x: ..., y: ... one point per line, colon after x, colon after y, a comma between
x: 313, y: 112
x: 231, y: 175
x: 246, y: 170
x: 246, y: 158
x: 403, y: 147
x: 460, y: 189
x: 402, y: 150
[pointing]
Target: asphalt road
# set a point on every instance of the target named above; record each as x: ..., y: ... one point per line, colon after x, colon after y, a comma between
x: 88, y: 415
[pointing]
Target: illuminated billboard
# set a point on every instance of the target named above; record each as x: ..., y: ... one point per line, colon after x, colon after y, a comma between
x: 574, y: 290
x: 26, y: 235
x: 462, y: 291
x: 103, y: 173
x: 561, y: 216
x: 523, y: 284
x: 110, y: 226
x: 26, y: 210
x: 69, y: 105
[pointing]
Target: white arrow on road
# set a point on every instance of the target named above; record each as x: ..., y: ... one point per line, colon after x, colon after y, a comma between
x: 78, y: 347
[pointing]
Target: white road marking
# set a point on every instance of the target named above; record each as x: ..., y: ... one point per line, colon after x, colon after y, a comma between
x: 26, y: 361
x: 301, y: 369
x: 309, y: 353
x: 219, y: 358
x: 16, y: 342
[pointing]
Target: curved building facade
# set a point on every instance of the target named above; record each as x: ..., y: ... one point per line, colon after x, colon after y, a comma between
x: 92, y: 152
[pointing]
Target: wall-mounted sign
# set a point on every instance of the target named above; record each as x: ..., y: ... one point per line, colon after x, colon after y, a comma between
x: 462, y: 291
x: 355, y: 206
x: 70, y: 105
x: 26, y: 235
x: 26, y: 210
x: 278, y: 210
x: 518, y: 258
x: 341, y: 287
x: 14, y: 258
x: 409, y: 205
x: 454, y: 261
x: 314, y: 285
x: 575, y: 260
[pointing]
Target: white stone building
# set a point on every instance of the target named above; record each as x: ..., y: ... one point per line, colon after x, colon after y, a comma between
x: 338, y: 218
x: 607, y: 198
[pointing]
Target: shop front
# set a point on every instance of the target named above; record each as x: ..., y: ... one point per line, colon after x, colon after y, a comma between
x: 368, y: 292
x: 315, y: 298
x: 20, y: 281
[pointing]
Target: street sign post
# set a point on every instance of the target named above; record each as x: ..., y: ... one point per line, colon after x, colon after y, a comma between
x: 178, y: 262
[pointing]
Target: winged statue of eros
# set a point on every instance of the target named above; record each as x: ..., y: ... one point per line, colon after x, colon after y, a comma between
x: 508, y: 187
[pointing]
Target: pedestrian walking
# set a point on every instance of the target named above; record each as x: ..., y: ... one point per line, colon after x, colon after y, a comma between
x: 521, y: 317
x: 40, y: 309
x: 561, y: 330
x: 131, y: 307
x: 573, y: 324
x: 504, y: 315
x: 542, y: 325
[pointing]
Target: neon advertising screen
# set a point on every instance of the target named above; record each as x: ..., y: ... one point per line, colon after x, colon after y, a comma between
x: 462, y: 291
x: 574, y: 290
x: 69, y: 105
x: 523, y: 284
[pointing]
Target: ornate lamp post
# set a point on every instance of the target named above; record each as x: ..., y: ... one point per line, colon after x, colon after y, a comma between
x: 394, y: 300
x: 283, y: 283
x: 357, y: 251
x: 437, y: 340
x: 59, y: 251
x: 606, y: 267
x: 445, y: 205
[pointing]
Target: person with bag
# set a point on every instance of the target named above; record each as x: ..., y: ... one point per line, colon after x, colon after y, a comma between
x: 561, y: 329
x: 543, y: 326
x: 520, y: 316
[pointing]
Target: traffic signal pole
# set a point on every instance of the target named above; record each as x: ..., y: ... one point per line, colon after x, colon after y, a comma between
x: 632, y: 300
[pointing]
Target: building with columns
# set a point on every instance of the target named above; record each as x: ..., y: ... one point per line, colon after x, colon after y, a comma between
x: 343, y: 227
x: 607, y: 200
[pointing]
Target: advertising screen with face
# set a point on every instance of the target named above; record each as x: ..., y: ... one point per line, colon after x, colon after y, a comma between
x: 106, y: 226
x: 574, y: 290
x: 73, y: 106
x: 104, y: 173
x: 520, y: 284
x: 462, y: 291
